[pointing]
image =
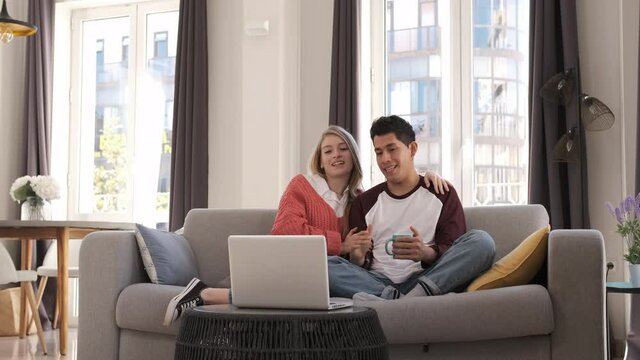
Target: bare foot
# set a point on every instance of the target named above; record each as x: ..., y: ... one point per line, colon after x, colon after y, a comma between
x: 214, y: 296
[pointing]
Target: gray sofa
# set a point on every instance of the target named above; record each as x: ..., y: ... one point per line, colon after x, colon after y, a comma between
x: 121, y: 313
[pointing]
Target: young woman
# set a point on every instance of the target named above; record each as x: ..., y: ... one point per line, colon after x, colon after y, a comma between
x: 314, y: 204
x: 318, y: 203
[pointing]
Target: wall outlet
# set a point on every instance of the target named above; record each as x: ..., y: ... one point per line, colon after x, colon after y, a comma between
x: 612, y: 270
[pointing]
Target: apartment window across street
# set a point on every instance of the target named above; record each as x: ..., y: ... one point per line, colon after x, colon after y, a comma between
x: 457, y: 70
x: 122, y: 83
x: 160, y: 44
x: 125, y: 49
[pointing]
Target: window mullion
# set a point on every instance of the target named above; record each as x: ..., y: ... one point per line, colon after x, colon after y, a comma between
x: 379, y: 86
x: 466, y: 160
x: 450, y: 119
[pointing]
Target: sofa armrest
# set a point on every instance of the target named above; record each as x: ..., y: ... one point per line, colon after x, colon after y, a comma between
x: 576, y: 276
x: 109, y: 262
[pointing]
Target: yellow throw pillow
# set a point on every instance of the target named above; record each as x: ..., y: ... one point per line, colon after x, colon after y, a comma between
x: 517, y: 267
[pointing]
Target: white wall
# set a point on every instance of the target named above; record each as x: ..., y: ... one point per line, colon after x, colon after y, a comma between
x: 269, y: 96
x: 316, y: 31
x: 12, y: 135
x: 609, y: 63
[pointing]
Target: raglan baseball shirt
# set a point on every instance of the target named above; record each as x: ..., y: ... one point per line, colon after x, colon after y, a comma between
x: 439, y: 218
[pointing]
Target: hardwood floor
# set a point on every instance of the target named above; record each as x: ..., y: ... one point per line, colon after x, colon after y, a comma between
x: 14, y: 348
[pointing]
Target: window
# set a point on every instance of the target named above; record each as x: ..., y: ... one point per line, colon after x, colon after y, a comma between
x: 125, y: 49
x: 160, y: 44
x: 122, y: 83
x: 457, y: 70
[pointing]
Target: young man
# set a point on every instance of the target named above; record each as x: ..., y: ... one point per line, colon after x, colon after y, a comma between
x: 436, y: 256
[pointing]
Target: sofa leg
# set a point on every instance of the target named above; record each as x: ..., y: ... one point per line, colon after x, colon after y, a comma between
x: 425, y: 348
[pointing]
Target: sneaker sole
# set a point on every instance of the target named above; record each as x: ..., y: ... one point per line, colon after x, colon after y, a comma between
x: 170, y: 314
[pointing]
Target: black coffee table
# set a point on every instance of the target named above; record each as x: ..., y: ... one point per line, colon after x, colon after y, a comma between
x: 228, y: 332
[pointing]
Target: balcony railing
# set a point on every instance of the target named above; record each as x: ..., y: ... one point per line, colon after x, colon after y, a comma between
x: 111, y: 73
x: 162, y: 66
x: 414, y: 39
x: 499, y: 185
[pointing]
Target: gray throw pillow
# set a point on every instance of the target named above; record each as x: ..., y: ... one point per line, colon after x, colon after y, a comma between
x: 167, y: 257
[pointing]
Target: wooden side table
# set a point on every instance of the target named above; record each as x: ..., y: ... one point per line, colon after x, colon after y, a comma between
x: 228, y: 332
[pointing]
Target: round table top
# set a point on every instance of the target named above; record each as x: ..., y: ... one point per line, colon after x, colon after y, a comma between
x: 234, y: 310
x: 622, y: 287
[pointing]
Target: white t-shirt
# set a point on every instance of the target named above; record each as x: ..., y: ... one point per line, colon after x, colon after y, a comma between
x: 438, y: 218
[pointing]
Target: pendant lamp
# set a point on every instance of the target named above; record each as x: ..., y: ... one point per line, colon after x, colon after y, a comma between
x: 10, y: 27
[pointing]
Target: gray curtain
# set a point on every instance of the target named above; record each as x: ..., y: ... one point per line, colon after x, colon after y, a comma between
x: 39, y: 84
x: 189, y: 153
x: 560, y: 187
x: 343, y: 106
x: 38, y: 98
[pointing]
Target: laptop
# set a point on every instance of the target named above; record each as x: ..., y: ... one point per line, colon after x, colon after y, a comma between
x: 281, y: 271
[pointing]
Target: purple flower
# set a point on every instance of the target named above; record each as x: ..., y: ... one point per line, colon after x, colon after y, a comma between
x: 612, y: 210
x: 630, y: 206
x: 619, y: 216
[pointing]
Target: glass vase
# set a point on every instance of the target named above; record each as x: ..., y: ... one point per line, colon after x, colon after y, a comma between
x: 634, y: 274
x: 35, y: 208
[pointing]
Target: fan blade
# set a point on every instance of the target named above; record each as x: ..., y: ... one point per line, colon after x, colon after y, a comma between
x: 559, y: 88
x: 596, y: 115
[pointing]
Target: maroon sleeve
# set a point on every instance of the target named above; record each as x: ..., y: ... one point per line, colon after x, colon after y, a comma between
x: 359, y: 208
x: 451, y: 223
x: 356, y: 215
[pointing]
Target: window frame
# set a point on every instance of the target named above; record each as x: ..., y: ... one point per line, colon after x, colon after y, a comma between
x: 457, y: 61
x: 136, y: 60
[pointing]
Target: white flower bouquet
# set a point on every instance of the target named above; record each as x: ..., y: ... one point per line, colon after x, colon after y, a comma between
x: 44, y: 187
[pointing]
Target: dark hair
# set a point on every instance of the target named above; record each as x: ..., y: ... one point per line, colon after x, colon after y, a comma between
x: 393, y: 124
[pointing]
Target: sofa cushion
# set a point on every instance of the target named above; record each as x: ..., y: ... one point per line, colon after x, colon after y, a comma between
x: 481, y: 315
x: 167, y: 257
x: 142, y: 306
x: 208, y: 230
x: 507, y: 224
x: 519, y: 266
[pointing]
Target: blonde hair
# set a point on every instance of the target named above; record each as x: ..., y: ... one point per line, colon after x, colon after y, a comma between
x: 355, y: 180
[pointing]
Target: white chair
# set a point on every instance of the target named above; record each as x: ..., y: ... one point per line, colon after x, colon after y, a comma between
x: 9, y: 274
x: 49, y: 268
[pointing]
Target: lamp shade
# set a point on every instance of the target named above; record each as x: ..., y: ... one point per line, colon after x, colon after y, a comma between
x: 596, y: 115
x: 559, y: 88
x: 10, y: 27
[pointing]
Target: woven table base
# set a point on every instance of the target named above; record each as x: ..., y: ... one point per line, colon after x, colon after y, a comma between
x: 273, y: 335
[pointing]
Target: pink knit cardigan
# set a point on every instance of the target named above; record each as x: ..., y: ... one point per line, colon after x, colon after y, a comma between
x: 302, y: 211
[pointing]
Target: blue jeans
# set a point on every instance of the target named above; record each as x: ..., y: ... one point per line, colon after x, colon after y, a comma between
x: 469, y: 256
